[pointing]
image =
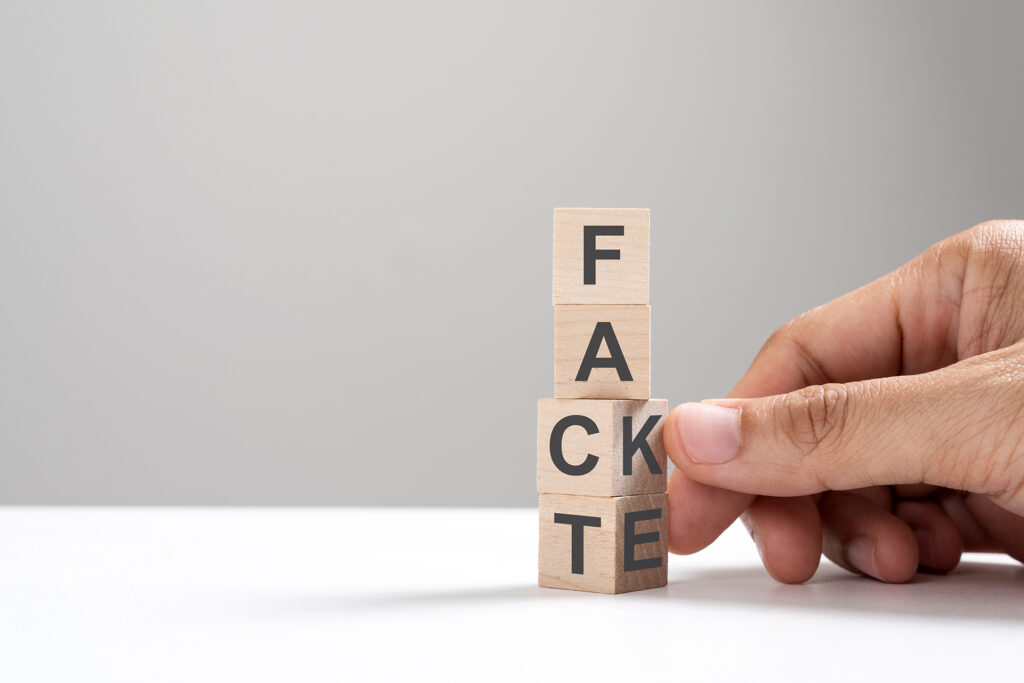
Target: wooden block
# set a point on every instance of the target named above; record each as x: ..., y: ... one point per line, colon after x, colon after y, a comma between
x: 602, y: 256
x: 600, y: 447
x: 603, y: 545
x: 603, y: 352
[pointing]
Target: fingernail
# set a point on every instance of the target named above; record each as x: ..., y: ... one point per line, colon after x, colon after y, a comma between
x: 710, y: 433
x: 860, y: 553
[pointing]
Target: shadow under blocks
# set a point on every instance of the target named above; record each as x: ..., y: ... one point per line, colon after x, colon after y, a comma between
x: 974, y: 591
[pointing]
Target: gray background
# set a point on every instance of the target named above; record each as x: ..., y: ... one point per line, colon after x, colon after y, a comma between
x: 299, y: 253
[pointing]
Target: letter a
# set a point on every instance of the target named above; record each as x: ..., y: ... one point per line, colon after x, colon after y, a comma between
x: 603, y: 331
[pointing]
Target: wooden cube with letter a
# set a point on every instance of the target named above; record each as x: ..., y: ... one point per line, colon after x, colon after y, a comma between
x: 603, y: 545
x: 603, y: 351
x: 600, y: 447
x: 602, y: 256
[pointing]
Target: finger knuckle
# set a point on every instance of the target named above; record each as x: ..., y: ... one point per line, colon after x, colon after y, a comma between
x: 814, y: 417
x: 786, y: 342
x: 998, y: 232
x: 776, y: 339
x: 995, y: 246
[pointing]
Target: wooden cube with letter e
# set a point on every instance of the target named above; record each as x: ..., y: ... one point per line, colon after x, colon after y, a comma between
x: 603, y: 544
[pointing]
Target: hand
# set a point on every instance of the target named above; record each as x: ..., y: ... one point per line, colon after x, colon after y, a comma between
x: 891, y: 435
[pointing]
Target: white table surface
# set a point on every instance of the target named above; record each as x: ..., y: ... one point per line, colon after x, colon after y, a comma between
x: 184, y: 594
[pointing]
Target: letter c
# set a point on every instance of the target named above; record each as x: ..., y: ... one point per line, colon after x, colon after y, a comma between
x: 555, y: 445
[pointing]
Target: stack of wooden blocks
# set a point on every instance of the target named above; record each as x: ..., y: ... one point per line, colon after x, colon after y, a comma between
x: 600, y: 459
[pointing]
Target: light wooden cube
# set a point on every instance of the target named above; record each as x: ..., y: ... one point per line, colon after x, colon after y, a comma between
x: 600, y: 447
x: 620, y: 334
x: 603, y: 545
x: 602, y: 256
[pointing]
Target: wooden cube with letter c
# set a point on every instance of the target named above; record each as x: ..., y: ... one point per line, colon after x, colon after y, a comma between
x: 603, y: 545
x: 600, y: 447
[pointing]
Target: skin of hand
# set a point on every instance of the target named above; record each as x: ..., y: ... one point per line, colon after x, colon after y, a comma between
x: 885, y: 428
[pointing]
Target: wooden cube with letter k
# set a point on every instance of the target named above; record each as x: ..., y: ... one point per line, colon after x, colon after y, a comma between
x: 600, y: 447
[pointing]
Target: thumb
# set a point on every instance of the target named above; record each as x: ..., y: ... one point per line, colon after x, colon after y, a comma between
x: 953, y: 427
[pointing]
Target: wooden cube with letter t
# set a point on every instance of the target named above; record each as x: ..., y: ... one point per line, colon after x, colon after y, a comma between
x: 603, y: 545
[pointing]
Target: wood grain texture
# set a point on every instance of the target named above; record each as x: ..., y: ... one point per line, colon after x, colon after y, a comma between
x: 625, y: 280
x: 574, y: 329
x: 607, y: 478
x: 604, y: 552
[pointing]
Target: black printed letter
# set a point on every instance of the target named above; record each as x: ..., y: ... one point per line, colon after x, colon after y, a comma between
x: 616, y: 360
x: 632, y: 444
x: 578, y: 522
x: 555, y: 445
x: 633, y: 539
x: 591, y: 253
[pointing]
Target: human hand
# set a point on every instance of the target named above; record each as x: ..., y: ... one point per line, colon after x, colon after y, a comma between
x: 891, y: 435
